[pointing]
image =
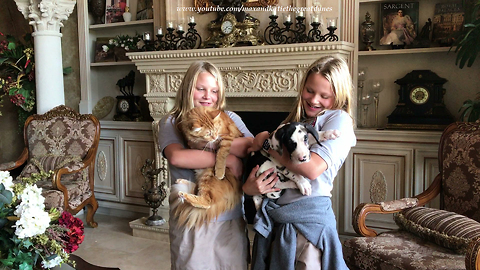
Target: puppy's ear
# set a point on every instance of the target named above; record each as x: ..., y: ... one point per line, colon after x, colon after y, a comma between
x: 312, y: 131
x: 279, y: 136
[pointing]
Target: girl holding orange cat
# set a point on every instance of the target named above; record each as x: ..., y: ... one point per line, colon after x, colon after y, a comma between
x: 221, y: 244
x: 297, y: 231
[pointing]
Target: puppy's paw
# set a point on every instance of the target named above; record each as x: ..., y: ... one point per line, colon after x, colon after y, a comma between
x: 304, y: 186
x: 329, y: 134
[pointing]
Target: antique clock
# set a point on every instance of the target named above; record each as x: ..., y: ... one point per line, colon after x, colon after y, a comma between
x: 228, y: 32
x: 420, y: 102
x: 127, y: 109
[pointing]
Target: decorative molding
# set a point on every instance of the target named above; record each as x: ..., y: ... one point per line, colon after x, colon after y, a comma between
x: 378, y: 188
x: 46, y: 15
x: 102, y: 164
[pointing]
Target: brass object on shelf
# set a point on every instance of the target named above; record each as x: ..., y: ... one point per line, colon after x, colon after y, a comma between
x: 228, y: 32
x: 368, y: 32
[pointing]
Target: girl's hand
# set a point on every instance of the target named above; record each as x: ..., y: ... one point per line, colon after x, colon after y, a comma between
x: 261, y: 184
x: 235, y: 165
x: 258, y: 141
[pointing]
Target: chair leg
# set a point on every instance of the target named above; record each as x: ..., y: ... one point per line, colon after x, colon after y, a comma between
x: 92, y: 207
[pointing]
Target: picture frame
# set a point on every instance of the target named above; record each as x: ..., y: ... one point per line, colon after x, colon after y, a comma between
x: 144, y: 10
x: 100, y: 54
x: 114, y: 10
x: 447, y: 20
x: 399, y: 26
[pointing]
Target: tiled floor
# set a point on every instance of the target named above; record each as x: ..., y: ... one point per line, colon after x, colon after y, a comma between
x: 111, y: 244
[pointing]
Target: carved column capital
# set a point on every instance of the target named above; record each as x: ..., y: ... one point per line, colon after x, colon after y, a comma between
x: 46, y: 15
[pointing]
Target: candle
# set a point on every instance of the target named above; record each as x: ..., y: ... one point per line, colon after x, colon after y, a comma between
x: 192, y: 19
x: 288, y: 18
x: 315, y: 18
x: 332, y: 22
x: 300, y: 14
x: 180, y: 27
x: 274, y: 12
x: 146, y: 36
x: 170, y: 25
x: 160, y: 31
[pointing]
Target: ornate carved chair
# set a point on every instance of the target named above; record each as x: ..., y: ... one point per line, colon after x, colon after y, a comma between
x: 429, y: 238
x: 65, y: 142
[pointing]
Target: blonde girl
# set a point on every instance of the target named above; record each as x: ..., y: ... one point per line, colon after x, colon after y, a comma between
x: 221, y: 244
x: 297, y: 231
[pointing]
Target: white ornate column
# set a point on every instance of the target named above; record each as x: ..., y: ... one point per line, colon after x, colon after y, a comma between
x: 46, y: 17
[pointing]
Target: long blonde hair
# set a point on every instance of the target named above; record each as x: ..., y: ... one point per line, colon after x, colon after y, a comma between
x: 335, y: 70
x: 184, y: 98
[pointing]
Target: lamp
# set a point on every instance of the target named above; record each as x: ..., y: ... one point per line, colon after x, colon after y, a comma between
x: 274, y: 34
x: 154, y: 194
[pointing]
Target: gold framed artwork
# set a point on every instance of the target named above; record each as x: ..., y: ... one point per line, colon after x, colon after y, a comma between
x: 202, y: 4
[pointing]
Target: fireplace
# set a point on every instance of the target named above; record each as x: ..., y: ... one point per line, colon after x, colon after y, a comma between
x: 261, y: 82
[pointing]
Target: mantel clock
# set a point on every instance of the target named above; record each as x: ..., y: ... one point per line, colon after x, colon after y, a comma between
x: 420, y: 103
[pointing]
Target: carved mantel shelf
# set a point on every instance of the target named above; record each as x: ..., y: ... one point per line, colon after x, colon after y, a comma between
x: 252, y: 75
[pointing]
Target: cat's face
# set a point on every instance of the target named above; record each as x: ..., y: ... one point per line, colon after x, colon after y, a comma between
x: 201, y: 124
x: 206, y: 90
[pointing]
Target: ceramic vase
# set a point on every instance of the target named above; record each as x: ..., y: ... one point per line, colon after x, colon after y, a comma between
x: 127, y: 16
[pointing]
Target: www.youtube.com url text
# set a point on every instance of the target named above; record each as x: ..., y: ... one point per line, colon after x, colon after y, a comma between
x: 250, y: 9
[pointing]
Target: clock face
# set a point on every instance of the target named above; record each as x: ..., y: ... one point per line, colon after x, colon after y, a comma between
x: 227, y: 27
x: 123, y: 105
x: 419, y: 95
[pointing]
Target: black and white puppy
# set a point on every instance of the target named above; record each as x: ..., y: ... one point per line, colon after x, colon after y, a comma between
x: 297, y: 139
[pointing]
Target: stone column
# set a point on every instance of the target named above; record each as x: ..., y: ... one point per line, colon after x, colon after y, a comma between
x: 46, y: 17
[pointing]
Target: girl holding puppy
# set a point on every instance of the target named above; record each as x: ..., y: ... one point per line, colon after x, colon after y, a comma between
x: 297, y: 231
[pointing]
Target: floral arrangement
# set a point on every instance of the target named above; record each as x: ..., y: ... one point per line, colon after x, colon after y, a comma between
x: 29, y: 235
x: 125, y: 41
x: 17, y: 74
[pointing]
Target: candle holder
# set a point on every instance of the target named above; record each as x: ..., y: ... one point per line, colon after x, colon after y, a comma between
x: 176, y: 40
x: 274, y: 34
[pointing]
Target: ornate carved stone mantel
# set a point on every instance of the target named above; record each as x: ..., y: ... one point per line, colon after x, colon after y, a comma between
x: 253, y: 76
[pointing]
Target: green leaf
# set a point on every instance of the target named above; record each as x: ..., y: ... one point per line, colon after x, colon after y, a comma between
x: 67, y: 70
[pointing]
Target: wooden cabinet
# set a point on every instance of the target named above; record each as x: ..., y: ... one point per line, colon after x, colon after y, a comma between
x: 383, y: 166
x: 121, y: 154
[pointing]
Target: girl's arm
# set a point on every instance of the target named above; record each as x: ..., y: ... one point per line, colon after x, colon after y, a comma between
x: 261, y: 184
x: 188, y: 158
x: 240, y: 146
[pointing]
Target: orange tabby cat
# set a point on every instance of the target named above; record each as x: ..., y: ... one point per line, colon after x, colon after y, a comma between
x: 217, y: 190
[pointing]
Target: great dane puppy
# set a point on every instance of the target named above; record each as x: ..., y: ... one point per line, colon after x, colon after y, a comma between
x: 297, y: 139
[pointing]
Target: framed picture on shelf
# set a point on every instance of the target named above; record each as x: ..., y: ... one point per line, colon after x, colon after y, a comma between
x: 399, y: 23
x: 144, y: 9
x: 114, y: 10
x: 447, y: 21
x: 102, y: 53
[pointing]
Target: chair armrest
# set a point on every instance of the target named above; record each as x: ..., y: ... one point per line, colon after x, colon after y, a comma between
x: 472, y: 256
x: 57, y: 175
x: 8, y: 166
x: 389, y: 207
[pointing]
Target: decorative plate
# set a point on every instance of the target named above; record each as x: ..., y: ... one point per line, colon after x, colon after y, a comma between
x: 103, y: 107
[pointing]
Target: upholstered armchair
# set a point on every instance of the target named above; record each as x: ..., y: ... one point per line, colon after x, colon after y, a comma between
x: 429, y: 238
x: 65, y: 142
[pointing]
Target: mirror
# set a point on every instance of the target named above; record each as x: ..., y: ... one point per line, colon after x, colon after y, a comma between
x: 250, y: 3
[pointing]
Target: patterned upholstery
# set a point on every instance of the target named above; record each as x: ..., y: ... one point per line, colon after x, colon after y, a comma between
x: 65, y: 142
x: 429, y: 238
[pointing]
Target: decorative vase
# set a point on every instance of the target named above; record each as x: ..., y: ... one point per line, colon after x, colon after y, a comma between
x: 127, y: 16
x: 97, y: 9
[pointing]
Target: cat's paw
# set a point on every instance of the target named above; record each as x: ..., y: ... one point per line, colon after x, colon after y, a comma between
x: 304, y: 186
x: 181, y: 196
x: 219, y: 173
